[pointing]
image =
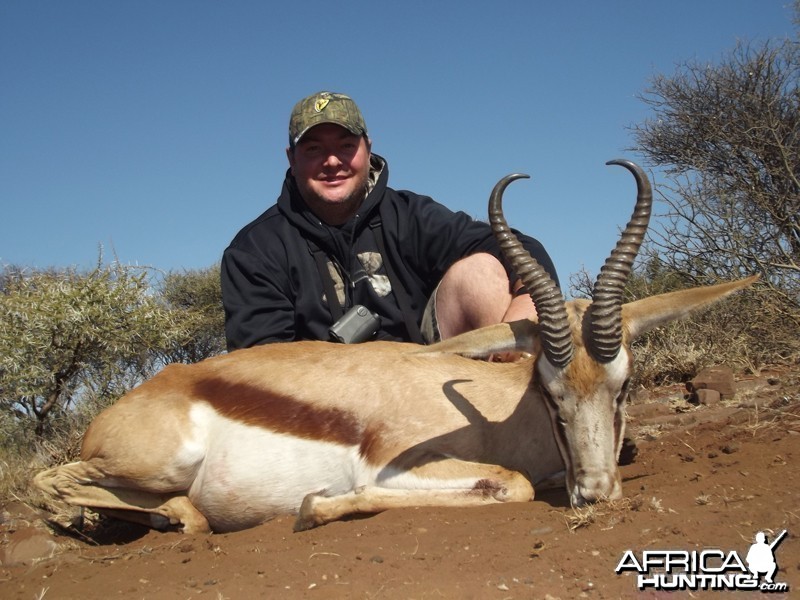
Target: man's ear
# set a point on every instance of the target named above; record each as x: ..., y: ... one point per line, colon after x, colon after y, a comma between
x: 290, y: 157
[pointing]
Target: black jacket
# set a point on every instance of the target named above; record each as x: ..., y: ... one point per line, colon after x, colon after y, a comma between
x: 271, y: 285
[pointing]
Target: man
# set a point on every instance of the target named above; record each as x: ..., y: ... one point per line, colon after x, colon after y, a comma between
x: 340, y: 237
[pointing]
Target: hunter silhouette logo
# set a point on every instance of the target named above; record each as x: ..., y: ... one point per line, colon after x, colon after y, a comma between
x: 709, y: 569
x: 761, y: 557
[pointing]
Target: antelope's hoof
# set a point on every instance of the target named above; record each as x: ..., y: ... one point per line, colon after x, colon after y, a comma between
x: 307, y: 517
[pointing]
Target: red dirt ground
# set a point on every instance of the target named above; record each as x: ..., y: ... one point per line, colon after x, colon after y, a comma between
x: 704, y: 478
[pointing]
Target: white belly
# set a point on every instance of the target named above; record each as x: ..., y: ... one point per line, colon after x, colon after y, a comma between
x: 263, y: 474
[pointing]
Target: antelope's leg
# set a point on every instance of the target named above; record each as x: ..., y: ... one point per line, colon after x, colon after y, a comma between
x: 447, y: 482
x: 80, y: 484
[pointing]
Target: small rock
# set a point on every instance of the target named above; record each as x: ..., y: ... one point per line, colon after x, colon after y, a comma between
x: 708, y: 397
x: 729, y: 448
x: 719, y: 378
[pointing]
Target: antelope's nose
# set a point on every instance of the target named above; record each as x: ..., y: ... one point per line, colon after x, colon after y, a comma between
x: 597, y: 486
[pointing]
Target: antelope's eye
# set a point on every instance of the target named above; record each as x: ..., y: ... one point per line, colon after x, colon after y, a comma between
x: 554, y: 407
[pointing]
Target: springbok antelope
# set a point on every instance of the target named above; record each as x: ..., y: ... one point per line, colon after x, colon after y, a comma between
x: 329, y: 430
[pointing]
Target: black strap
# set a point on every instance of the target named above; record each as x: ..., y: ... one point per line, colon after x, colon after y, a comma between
x: 403, y: 299
x: 327, y: 281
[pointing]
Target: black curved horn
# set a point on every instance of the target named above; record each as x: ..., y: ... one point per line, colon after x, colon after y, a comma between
x: 605, y: 313
x: 554, y: 326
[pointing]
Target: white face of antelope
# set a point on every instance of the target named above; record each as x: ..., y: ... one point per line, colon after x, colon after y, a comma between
x: 583, y: 366
x: 586, y: 403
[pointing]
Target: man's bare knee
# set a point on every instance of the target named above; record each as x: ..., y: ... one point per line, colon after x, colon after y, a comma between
x: 474, y: 292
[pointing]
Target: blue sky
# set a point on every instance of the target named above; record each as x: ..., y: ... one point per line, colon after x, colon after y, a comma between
x: 156, y: 128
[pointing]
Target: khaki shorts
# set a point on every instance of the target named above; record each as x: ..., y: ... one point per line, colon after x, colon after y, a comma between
x: 429, y: 327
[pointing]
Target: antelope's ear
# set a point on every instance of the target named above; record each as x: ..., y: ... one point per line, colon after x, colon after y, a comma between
x: 641, y: 316
x: 504, y: 337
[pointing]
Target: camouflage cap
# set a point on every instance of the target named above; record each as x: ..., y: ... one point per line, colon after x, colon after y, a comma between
x: 325, y: 107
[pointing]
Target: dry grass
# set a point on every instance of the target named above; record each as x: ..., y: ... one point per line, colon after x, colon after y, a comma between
x: 609, y: 513
x: 703, y: 500
x: 21, y: 459
x: 16, y: 472
x: 745, y: 332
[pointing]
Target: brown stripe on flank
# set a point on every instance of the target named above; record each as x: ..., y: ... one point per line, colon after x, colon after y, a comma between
x: 257, y: 407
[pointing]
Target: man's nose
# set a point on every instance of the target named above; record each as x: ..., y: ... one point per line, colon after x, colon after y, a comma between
x: 332, y: 160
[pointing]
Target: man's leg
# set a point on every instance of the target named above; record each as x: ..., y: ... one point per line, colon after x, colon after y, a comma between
x: 475, y: 292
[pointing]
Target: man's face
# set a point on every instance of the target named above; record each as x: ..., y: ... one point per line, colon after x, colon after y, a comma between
x: 331, y: 166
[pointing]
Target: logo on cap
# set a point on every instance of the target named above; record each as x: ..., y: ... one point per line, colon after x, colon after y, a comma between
x: 321, y: 103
